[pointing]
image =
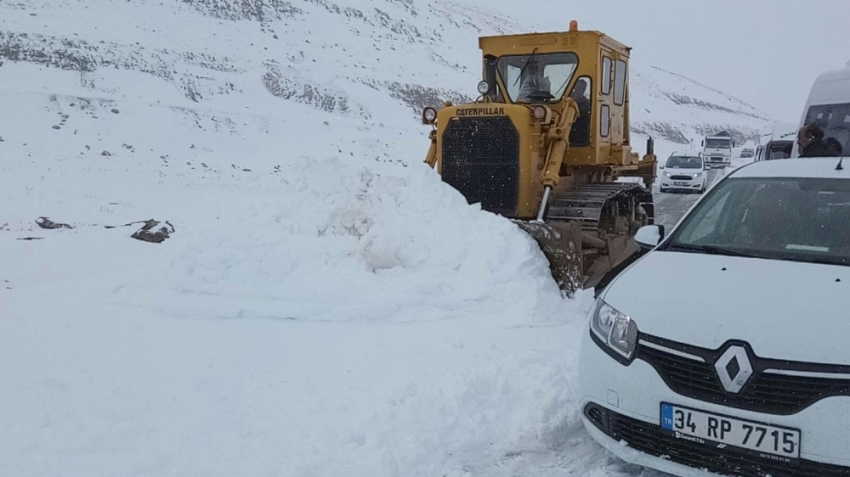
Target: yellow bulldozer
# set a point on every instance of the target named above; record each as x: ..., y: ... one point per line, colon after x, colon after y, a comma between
x: 547, y: 144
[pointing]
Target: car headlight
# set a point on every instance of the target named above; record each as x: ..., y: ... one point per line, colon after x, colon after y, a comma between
x: 614, y: 331
x: 698, y: 174
x: 666, y: 174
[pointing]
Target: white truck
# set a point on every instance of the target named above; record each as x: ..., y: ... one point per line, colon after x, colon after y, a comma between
x: 717, y: 150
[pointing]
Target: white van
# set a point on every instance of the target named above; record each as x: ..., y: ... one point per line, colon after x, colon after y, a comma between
x: 829, y: 105
x: 776, y: 141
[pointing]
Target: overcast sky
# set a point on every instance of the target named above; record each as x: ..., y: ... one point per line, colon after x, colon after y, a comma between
x: 765, y: 52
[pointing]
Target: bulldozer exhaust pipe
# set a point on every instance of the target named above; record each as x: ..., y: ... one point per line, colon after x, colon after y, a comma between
x: 546, y: 192
x: 431, y: 158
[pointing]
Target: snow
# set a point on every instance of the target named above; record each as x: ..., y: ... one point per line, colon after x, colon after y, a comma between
x: 317, y: 318
x: 326, y: 305
x: 325, y: 320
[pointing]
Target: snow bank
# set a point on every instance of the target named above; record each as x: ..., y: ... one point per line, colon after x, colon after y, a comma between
x: 325, y: 319
x: 332, y: 242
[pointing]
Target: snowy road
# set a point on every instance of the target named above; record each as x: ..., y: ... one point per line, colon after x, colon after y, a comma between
x: 670, y: 207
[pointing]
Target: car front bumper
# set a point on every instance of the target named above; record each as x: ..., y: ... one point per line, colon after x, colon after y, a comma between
x: 692, y: 184
x: 630, y: 397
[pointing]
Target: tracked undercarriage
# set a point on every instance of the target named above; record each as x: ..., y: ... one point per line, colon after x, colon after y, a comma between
x: 588, y: 231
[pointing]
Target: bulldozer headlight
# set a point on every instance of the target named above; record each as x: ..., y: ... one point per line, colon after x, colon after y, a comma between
x: 429, y: 115
x: 484, y: 87
x: 539, y: 112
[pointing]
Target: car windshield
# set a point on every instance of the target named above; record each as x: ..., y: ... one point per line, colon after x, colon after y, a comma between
x: 684, y: 162
x: 798, y: 219
x: 835, y: 121
x: 718, y: 143
x: 537, y: 78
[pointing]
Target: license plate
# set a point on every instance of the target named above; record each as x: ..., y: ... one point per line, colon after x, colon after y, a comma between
x: 680, y: 183
x: 764, y: 440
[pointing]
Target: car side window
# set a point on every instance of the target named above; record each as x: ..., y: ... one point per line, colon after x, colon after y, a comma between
x: 710, y: 223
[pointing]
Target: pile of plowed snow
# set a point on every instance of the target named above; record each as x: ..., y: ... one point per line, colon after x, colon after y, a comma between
x: 327, y: 319
x: 329, y: 242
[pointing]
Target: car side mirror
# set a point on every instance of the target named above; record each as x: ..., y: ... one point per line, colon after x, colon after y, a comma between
x: 661, y: 167
x: 649, y: 236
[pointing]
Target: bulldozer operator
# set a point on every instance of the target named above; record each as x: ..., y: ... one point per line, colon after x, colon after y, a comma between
x: 534, y: 87
x: 580, y: 133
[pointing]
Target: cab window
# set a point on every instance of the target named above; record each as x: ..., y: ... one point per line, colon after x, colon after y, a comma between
x: 620, y: 83
x: 537, y: 78
x: 605, y: 120
x: 580, y: 133
x: 606, y: 75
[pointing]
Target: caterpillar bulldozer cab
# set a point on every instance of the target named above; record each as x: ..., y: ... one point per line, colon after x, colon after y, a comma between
x: 546, y: 144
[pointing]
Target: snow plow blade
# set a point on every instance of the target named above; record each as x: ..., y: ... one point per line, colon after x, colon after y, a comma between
x: 561, y: 243
x: 577, y: 259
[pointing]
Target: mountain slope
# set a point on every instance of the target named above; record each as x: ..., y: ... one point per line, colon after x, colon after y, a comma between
x: 337, y: 57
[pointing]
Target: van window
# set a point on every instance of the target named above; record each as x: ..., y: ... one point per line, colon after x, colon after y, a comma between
x: 620, y: 83
x: 835, y: 121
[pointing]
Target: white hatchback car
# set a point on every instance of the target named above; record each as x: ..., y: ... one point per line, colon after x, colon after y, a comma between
x: 685, y: 172
x: 725, y: 350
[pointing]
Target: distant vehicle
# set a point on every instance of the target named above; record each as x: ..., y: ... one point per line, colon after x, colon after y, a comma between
x: 829, y: 106
x: 778, y: 142
x: 747, y: 152
x: 751, y: 379
x: 717, y: 150
x: 777, y: 150
x: 684, y: 172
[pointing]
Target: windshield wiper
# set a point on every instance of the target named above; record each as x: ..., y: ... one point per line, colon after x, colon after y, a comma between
x: 712, y: 250
x: 527, y: 62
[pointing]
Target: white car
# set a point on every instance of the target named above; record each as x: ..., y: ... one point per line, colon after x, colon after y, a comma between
x: 685, y: 172
x: 725, y: 350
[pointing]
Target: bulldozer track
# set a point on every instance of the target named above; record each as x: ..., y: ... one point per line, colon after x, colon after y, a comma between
x: 586, y: 204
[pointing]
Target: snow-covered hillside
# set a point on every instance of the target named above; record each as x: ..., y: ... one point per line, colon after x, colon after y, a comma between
x: 375, y: 65
x: 326, y: 306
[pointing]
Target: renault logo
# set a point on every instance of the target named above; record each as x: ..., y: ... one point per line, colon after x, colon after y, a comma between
x: 734, y: 369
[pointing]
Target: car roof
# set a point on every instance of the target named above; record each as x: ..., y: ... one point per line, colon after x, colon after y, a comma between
x: 686, y: 154
x: 805, y: 167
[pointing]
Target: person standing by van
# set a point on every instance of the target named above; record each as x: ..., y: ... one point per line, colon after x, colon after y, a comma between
x: 812, y: 144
